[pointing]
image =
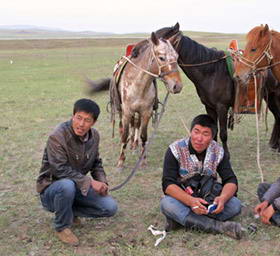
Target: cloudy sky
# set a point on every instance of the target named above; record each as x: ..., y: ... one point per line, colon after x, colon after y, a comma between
x: 125, y: 16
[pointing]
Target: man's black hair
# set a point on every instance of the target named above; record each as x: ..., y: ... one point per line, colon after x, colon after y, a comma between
x: 205, y: 121
x: 88, y: 106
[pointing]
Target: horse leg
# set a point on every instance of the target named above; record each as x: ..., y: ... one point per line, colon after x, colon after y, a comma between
x: 273, y: 104
x: 137, y: 123
x: 144, y: 134
x: 222, y: 116
x: 132, y: 132
x: 213, y: 113
x: 124, y: 137
x: 120, y: 124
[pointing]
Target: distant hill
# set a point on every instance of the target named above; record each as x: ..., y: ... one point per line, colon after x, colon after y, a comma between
x: 37, y: 32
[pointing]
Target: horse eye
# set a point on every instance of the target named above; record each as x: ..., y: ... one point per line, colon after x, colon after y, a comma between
x: 162, y: 58
x: 253, y: 49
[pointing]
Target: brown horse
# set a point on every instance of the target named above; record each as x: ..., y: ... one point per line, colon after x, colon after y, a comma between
x: 133, y: 95
x: 262, y: 55
x: 262, y: 52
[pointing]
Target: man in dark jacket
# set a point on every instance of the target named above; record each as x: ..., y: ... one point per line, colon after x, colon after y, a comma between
x: 191, y: 168
x: 269, y: 208
x: 71, y: 152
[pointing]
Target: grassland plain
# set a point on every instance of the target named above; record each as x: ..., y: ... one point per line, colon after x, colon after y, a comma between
x: 40, y: 80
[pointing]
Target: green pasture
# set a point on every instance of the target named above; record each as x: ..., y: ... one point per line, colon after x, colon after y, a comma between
x: 39, y: 82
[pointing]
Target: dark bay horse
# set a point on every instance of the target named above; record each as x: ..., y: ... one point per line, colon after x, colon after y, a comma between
x: 134, y: 95
x: 212, y: 80
x: 262, y: 53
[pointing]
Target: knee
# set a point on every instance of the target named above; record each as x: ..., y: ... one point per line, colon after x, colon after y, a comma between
x: 67, y: 188
x: 235, y: 206
x: 167, y: 205
x: 262, y: 188
x: 111, y: 208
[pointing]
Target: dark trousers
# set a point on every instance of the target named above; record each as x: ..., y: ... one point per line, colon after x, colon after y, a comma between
x: 64, y: 199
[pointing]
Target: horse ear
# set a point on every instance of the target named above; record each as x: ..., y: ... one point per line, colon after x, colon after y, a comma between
x: 176, y: 27
x: 154, y: 38
x: 265, y: 30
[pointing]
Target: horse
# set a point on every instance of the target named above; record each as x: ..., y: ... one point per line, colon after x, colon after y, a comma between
x: 207, y: 69
x: 262, y: 53
x: 134, y: 94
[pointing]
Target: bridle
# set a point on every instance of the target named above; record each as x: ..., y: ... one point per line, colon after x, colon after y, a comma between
x: 153, y: 57
x: 253, y: 64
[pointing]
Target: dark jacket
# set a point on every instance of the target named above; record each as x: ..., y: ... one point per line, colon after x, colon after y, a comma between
x: 67, y: 156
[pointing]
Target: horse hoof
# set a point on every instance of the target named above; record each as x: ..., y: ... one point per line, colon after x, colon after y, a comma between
x: 120, y: 166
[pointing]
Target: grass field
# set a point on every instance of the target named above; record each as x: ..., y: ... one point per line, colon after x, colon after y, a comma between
x: 40, y: 80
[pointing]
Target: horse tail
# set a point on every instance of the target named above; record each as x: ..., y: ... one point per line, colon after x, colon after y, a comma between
x: 98, y: 85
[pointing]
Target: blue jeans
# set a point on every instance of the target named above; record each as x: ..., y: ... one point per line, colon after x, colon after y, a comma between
x: 178, y: 211
x: 64, y: 199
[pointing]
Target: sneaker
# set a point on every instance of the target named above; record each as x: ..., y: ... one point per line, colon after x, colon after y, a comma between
x: 171, y: 225
x: 66, y: 236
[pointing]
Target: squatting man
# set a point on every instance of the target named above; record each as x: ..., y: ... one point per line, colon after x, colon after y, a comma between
x: 72, y: 150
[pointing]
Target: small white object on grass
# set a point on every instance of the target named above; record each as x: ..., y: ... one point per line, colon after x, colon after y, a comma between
x: 156, y: 232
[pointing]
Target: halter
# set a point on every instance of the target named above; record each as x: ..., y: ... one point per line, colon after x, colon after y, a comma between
x: 160, y: 74
x: 253, y: 64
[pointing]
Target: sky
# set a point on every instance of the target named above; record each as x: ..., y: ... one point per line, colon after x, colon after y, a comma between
x: 129, y: 16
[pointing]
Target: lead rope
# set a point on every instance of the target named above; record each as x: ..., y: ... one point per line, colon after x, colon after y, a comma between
x: 257, y: 128
x: 142, y: 156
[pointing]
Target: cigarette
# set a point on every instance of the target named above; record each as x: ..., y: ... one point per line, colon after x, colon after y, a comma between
x: 256, y: 216
x: 195, y: 207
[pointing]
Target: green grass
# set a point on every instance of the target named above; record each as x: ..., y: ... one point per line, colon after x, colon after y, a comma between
x: 38, y: 89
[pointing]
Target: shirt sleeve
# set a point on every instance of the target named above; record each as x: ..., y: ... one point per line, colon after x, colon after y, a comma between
x: 97, y: 171
x: 273, y: 194
x: 225, y: 171
x: 170, y: 170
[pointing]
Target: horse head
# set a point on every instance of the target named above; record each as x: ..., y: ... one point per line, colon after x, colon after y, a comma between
x: 257, y: 53
x: 172, y: 34
x: 165, y: 63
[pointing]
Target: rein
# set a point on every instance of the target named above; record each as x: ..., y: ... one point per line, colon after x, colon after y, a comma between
x: 203, y: 63
x: 142, y: 156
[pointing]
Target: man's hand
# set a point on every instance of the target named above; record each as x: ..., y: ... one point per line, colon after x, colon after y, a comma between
x: 261, y: 207
x: 198, y: 205
x: 220, y: 202
x: 100, y: 187
x: 267, y: 214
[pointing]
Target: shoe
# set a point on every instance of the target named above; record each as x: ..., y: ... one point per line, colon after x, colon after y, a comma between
x: 77, y: 221
x: 206, y: 224
x: 171, y: 225
x: 66, y: 236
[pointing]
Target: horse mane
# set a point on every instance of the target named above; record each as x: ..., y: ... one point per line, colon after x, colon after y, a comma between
x: 195, y: 52
x: 163, y: 33
x: 191, y: 52
x: 256, y: 34
x: 275, y: 33
x: 139, y: 48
